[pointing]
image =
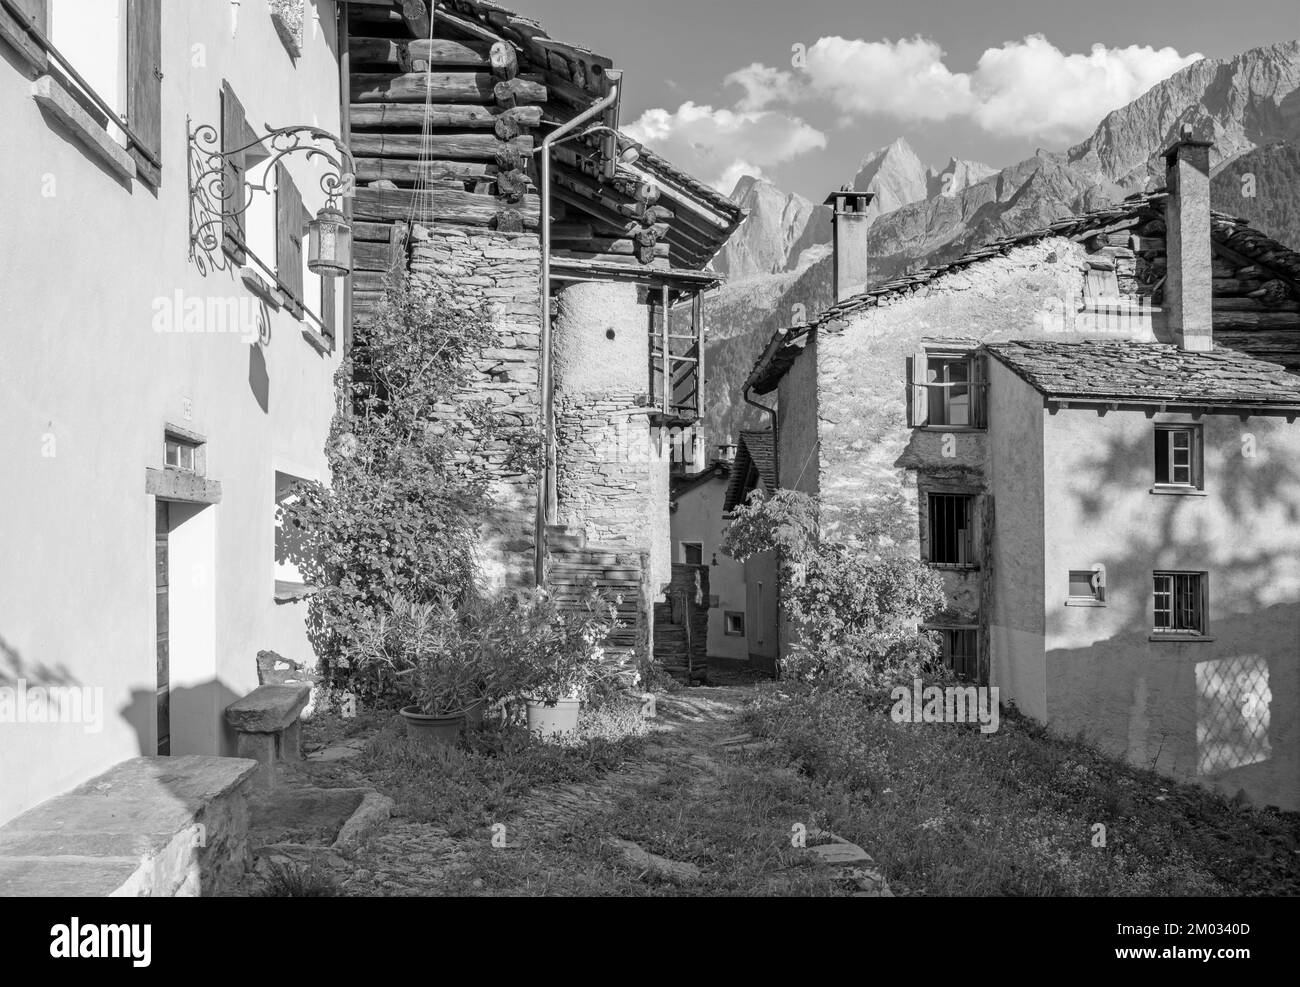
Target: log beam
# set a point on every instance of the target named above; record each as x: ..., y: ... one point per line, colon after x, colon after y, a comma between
x: 439, y: 205
x: 444, y: 87
x: 451, y: 115
x: 452, y: 147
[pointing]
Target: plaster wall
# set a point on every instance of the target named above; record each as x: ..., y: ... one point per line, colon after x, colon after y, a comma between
x: 89, y: 265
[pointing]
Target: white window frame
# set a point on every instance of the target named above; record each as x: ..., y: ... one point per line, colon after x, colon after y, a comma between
x: 1193, y: 466
x: 733, y: 615
x: 682, y: 546
x: 1198, y: 594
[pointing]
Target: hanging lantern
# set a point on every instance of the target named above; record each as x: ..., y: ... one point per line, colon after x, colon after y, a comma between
x: 329, y: 244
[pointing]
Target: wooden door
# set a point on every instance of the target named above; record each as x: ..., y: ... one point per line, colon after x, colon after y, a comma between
x: 161, y: 525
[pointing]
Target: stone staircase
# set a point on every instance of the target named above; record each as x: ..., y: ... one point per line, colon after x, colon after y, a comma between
x: 573, y: 565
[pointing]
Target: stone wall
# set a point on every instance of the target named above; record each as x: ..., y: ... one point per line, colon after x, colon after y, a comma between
x: 498, y: 273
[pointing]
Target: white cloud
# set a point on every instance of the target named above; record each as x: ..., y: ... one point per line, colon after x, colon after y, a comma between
x: 763, y: 86
x: 1026, y: 88
x: 718, y: 146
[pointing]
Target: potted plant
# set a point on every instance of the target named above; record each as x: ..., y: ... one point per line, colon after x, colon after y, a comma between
x: 425, y: 647
x: 561, y: 656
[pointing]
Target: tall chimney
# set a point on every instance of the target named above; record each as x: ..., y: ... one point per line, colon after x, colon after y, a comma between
x: 849, y: 227
x: 1189, y: 285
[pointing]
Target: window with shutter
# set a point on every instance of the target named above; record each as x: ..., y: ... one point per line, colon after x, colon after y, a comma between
x: 919, y: 402
x: 11, y: 30
x: 233, y: 127
x: 144, y: 85
x: 290, y: 219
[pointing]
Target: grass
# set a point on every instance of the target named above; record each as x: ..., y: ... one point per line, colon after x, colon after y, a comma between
x: 465, y: 788
x: 289, y: 879
x: 947, y: 810
x: 943, y: 809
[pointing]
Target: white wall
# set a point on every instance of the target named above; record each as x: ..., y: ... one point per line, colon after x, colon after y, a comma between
x: 698, y: 517
x: 86, y: 387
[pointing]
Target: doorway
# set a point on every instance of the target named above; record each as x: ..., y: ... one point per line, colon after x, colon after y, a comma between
x: 162, y: 580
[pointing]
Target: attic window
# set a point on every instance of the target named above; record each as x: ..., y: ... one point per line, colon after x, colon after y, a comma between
x: 947, y: 390
x: 1178, y: 456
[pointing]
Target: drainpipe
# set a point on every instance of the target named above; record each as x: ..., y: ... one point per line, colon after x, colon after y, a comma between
x: 545, y: 495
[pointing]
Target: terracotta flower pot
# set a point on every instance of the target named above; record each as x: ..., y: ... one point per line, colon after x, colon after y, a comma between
x: 548, y: 721
x: 432, y: 731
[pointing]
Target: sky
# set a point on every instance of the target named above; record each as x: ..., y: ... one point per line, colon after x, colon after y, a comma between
x: 800, y: 91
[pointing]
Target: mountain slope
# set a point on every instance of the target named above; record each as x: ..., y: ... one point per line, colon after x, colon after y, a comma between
x: 1249, y: 104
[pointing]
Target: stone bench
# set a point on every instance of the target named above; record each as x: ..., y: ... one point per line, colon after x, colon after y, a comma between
x: 149, y: 827
x: 266, y: 722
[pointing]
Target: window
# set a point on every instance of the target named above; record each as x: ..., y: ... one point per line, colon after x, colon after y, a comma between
x: 734, y: 623
x: 1178, y: 456
x: 289, y: 543
x: 950, y: 529
x: 1179, y: 603
x: 692, y: 553
x: 183, y: 450
x: 115, y: 47
x: 1087, y: 587
x: 948, y: 390
x: 959, y: 648
x: 180, y: 455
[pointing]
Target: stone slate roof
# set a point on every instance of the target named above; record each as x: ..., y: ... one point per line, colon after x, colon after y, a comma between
x: 758, y: 449
x: 1137, y: 372
x: 1227, y: 231
x: 687, y: 482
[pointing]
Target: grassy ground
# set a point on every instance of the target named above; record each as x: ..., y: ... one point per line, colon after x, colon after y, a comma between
x: 949, y: 811
x: 944, y: 809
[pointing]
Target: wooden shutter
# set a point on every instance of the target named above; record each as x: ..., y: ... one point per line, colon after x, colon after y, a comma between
x: 919, y: 404
x: 979, y: 391
x: 289, y: 222
x: 144, y: 83
x: 233, y: 128
x: 328, y: 295
x: 12, y: 31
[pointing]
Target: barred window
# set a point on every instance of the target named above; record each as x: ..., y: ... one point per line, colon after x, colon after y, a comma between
x: 950, y: 529
x: 1179, y: 603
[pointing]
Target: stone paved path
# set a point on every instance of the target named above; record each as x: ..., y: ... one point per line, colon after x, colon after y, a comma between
x: 415, y: 858
x: 690, y: 740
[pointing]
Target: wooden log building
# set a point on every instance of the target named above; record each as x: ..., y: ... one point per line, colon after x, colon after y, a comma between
x: 448, y: 107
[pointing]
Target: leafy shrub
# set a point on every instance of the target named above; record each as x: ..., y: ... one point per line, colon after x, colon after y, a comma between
x: 856, y: 612
x: 408, y: 456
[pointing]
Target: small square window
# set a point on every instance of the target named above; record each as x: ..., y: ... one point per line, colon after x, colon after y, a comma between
x: 693, y: 553
x: 1087, y: 587
x: 180, y: 454
x: 734, y: 623
x: 1178, y: 456
x: 1179, y: 603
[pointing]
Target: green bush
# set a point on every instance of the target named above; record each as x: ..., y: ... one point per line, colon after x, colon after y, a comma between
x: 410, y: 484
x: 856, y: 612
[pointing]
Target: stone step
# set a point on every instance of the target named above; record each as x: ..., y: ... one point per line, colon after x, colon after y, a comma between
x: 156, y: 827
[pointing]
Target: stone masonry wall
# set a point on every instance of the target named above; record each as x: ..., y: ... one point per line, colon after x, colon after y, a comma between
x: 499, y: 273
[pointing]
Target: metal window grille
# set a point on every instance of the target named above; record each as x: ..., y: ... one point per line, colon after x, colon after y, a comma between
x: 1179, y: 603
x: 950, y: 529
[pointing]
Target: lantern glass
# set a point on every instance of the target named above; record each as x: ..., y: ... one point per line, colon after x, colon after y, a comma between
x: 329, y: 244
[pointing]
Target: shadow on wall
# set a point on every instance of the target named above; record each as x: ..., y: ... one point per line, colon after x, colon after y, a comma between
x: 198, y: 719
x: 1221, y: 712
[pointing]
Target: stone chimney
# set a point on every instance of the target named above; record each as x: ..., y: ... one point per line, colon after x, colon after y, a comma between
x: 1189, y: 285
x: 849, y: 227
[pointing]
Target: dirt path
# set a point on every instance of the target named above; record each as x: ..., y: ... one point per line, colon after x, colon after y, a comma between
x: 414, y: 858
